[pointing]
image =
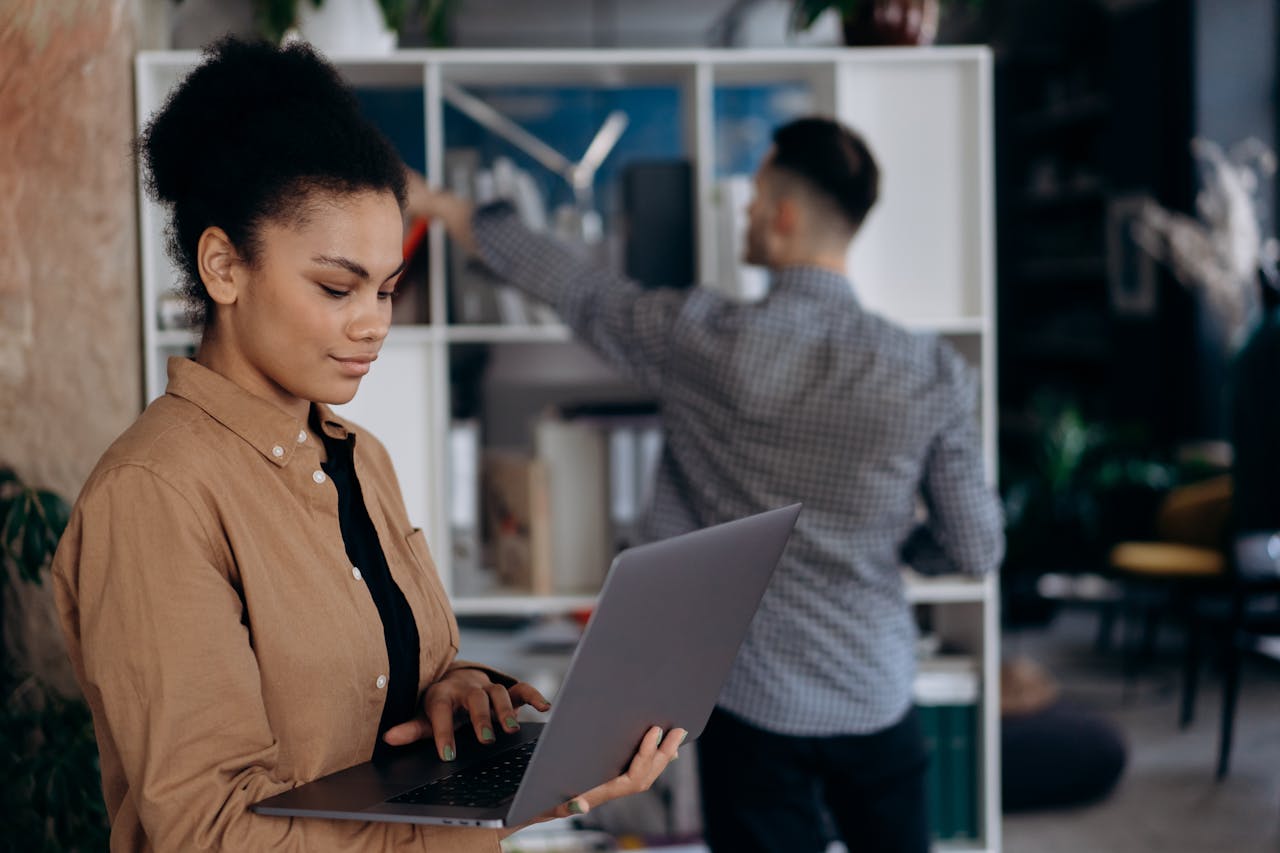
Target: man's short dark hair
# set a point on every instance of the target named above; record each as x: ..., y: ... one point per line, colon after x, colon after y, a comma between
x: 833, y: 160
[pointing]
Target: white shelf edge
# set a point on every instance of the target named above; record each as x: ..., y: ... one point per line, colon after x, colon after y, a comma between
x: 920, y: 590
x: 412, y: 334
x: 946, y: 589
x: 947, y: 325
x: 623, y: 56
x: 520, y: 605
x: 497, y: 334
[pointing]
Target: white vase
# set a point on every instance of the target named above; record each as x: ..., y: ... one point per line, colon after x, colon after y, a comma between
x: 346, y: 27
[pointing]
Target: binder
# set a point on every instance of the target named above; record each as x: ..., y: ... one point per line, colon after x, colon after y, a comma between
x: 946, y: 693
x: 576, y: 457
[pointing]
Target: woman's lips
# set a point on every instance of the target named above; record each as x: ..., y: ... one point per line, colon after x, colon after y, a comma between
x: 356, y: 365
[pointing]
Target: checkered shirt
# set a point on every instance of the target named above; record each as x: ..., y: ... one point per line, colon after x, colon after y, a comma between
x: 801, y: 397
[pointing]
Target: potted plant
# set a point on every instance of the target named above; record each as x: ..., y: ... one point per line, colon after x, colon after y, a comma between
x: 51, y: 797
x: 876, y: 22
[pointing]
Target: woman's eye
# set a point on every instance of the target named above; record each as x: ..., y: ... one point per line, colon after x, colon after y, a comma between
x: 333, y: 291
x: 386, y: 294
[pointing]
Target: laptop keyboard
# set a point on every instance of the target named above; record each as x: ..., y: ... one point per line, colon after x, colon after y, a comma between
x: 484, y: 785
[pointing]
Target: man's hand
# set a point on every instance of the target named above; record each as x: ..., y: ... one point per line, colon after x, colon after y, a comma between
x: 452, y: 212
x: 466, y: 693
x: 653, y: 756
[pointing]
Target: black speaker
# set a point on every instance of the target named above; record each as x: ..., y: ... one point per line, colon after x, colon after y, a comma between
x: 657, y: 205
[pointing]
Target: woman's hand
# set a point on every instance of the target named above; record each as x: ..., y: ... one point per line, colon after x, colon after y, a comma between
x: 451, y: 211
x: 653, y: 756
x: 466, y: 693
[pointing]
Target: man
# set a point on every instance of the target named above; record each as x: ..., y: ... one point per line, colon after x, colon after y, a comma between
x: 803, y: 396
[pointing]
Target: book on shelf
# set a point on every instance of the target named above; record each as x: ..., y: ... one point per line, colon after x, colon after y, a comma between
x: 518, y: 521
x: 476, y: 296
x: 946, y: 696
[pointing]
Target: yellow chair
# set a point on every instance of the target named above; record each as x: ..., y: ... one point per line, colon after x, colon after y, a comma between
x: 1188, y: 559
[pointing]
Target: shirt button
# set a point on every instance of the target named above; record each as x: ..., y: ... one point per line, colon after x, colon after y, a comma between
x: 302, y: 436
x: 381, y: 682
x: 277, y: 451
x: 318, y: 476
x: 355, y: 573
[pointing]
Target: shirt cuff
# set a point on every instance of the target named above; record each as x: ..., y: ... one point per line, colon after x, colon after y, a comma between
x: 491, y: 225
x: 496, y: 676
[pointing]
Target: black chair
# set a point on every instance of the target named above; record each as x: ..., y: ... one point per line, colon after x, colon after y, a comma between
x: 1254, y: 613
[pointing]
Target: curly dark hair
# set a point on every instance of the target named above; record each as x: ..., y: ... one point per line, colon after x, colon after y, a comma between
x: 246, y: 139
x: 833, y: 160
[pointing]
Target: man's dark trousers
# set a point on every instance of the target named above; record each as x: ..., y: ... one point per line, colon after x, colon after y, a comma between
x: 769, y: 793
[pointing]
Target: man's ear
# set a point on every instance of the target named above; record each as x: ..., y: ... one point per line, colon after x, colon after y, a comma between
x: 220, y: 265
x: 787, y: 216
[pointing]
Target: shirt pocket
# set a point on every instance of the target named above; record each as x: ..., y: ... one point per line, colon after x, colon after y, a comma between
x: 430, y: 579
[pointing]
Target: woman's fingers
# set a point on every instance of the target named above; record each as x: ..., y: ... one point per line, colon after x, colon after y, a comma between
x: 413, y: 730
x: 524, y: 693
x: 481, y: 713
x: 440, y: 716
x: 503, y: 711
x: 656, y: 751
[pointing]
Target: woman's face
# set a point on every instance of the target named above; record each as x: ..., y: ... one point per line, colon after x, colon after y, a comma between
x: 315, y: 308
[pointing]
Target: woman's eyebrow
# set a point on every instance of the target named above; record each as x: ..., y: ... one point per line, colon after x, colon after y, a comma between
x: 353, y: 267
x: 342, y: 263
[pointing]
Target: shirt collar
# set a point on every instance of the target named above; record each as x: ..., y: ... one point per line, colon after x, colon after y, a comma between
x: 815, y: 282
x: 268, y: 429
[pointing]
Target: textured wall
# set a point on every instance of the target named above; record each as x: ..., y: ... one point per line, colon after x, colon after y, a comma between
x: 70, y: 376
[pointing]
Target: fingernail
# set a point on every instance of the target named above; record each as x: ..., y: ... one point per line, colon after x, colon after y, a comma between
x: 511, y: 723
x: 684, y: 737
x: 575, y: 807
x: 449, y: 754
x: 486, y: 734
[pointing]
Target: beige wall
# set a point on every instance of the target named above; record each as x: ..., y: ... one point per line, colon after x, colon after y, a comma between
x: 70, y: 352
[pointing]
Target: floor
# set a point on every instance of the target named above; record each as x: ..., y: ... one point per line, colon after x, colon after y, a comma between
x: 1167, y: 800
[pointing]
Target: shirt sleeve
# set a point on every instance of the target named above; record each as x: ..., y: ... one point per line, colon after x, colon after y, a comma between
x: 629, y: 325
x: 166, y: 648
x: 965, y: 521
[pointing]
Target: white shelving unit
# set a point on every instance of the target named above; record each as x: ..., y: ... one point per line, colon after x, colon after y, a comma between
x: 925, y: 258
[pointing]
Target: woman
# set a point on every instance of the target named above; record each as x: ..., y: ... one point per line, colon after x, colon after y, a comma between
x: 246, y: 603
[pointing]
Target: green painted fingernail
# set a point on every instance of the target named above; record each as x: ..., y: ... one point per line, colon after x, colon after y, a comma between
x: 449, y: 754
x: 511, y: 723
x: 486, y: 734
x: 684, y: 737
x: 575, y: 807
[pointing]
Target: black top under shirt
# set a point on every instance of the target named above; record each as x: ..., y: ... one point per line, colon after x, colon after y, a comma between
x: 365, y: 552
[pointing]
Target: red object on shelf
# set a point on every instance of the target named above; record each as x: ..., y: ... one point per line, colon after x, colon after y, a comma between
x: 582, y: 615
x: 413, y: 239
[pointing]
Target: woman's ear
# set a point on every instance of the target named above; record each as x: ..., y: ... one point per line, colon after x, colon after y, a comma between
x: 219, y: 265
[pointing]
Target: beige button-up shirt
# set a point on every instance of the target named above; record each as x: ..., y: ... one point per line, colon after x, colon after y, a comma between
x: 225, y: 646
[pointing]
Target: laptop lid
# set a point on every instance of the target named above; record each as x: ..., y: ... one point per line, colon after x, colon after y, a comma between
x: 666, y: 628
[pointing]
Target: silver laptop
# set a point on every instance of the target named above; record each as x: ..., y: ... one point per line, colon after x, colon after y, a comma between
x: 666, y: 628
